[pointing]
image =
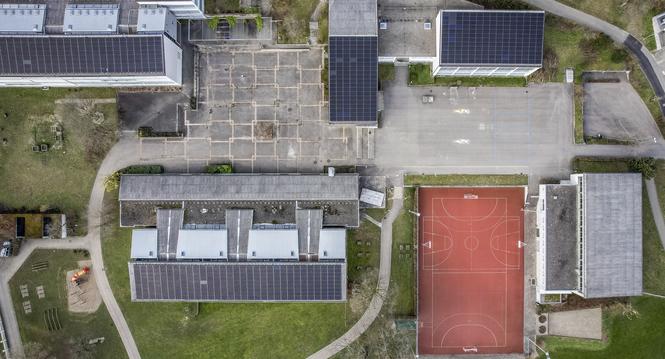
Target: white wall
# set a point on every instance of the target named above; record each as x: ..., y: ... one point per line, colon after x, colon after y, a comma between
x: 184, y: 9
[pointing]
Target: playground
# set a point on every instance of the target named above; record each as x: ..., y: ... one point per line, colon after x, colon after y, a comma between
x: 470, y: 270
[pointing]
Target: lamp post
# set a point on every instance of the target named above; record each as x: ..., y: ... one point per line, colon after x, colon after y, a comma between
x: 413, y: 212
x: 547, y: 354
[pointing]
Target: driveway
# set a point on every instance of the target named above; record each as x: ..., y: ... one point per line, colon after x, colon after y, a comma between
x: 616, y: 111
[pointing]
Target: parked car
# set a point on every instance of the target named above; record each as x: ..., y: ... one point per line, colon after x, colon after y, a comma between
x: 6, y: 250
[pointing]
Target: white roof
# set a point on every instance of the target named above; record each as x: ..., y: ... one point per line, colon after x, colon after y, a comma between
x: 372, y: 197
x: 332, y: 243
x: 157, y: 19
x: 272, y: 244
x: 144, y: 244
x: 22, y: 18
x: 91, y: 18
x: 202, y: 244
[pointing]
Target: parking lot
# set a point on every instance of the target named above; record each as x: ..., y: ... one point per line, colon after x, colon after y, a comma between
x: 520, y: 128
x: 262, y: 111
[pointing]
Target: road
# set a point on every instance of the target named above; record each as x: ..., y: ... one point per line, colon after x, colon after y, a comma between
x: 375, y: 305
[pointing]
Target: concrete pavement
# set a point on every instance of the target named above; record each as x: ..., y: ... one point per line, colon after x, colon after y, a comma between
x: 381, y: 289
x: 656, y: 210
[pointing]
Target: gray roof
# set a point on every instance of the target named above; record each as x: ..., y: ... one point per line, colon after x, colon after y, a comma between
x: 561, y: 222
x: 169, y: 222
x: 238, y: 187
x: 238, y: 224
x: 272, y: 244
x: 144, y: 244
x: 22, y: 18
x: 309, y: 222
x: 91, y: 18
x: 352, y: 18
x: 613, y: 234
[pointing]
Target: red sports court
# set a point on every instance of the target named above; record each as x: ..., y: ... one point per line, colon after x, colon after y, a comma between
x: 470, y: 270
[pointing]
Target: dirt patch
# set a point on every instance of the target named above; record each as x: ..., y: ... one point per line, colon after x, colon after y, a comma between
x: 574, y: 302
x: 83, y: 298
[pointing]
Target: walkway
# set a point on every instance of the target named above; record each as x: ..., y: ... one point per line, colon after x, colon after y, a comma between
x: 121, y: 155
x: 656, y: 210
x: 382, y: 288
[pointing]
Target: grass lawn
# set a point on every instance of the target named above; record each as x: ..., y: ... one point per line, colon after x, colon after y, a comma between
x: 632, y: 16
x: 421, y: 74
x: 403, y: 270
x: 60, y: 178
x: 381, y: 340
x: 225, y: 330
x: 294, y: 15
x: 386, y: 72
x: 323, y: 26
x: 629, y: 336
x: 222, y: 6
x: 72, y: 340
x: 466, y: 180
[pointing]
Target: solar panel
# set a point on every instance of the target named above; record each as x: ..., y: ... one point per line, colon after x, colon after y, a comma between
x: 81, y: 55
x: 353, y: 78
x: 492, y: 37
x: 223, y: 281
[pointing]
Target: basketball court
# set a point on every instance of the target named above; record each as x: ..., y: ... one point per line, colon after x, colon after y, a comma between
x: 470, y: 270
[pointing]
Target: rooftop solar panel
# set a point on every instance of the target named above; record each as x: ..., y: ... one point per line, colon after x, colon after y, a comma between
x: 492, y: 37
x: 353, y: 78
x: 81, y: 55
x: 243, y: 282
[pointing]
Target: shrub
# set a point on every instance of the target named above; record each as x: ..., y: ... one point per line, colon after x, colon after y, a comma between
x: 213, y: 22
x: 220, y: 168
x: 112, y: 182
x: 645, y: 165
x: 232, y: 20
x: 259, y: 23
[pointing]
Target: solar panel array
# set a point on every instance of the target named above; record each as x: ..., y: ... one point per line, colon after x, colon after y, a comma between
x: 492, y: 37
x: 353, y: 78
x: 223, y: 281
x: 81, y: 55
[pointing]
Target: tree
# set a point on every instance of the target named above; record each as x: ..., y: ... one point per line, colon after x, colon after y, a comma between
x: 232, y: 20
x: 645, y: 165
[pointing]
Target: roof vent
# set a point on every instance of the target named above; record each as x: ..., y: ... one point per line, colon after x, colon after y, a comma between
x: 253, y: 253
x: 182, y: 254
x: 292, y: 253
x: 221, y: 253
x: 149, y: 253
x: 383, y: 25
x: 325, y: 253
x: 428, y: 25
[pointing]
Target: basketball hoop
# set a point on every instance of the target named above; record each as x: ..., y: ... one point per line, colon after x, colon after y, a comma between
x: 428, y: 244
x: 470, y: 196
x: 520, y: 244
x: 470, y: 349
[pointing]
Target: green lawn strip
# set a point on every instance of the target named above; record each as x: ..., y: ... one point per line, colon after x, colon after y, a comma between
x: 600, y: 164
x: 77, y: 329
x: 386, y: 72
x: 421, y: 74
x: 62, y: 178
x: 252, y: 330
x: 323, y: 26
x: 466, y: 180
x: 579, y: 113
x: 363, y: 246
x: 403, y: 276
x: 294, y: 15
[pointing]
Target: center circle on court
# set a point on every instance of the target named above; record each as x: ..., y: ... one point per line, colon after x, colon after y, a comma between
x: 471, y: 243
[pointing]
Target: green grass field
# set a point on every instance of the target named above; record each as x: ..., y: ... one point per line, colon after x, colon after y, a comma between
x: 421, y: 74
x: 465, y: 180
x: 628, y: 336
x: 225, y: 330
x: 294, y: 15
x: 403, y: 270
x: 60, y: 178
x: 72, y: 340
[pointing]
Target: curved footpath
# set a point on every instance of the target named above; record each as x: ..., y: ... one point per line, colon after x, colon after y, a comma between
x: 381, y: 289
x: 123, y: 154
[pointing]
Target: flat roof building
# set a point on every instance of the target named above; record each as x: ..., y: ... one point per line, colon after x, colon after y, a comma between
x: 91, y: 19
x: 488, y: 43
x: 590, y: 236
x: 294, y: 222
x: 353, y: 62
x: 182, y: 9
x: 90, y: 61
x: 144, y: 244
x: 157, y: 19
x: 22, y: 19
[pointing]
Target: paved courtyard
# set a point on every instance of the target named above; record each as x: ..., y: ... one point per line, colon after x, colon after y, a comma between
x: 486, y: 129
x: 262, y: 111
